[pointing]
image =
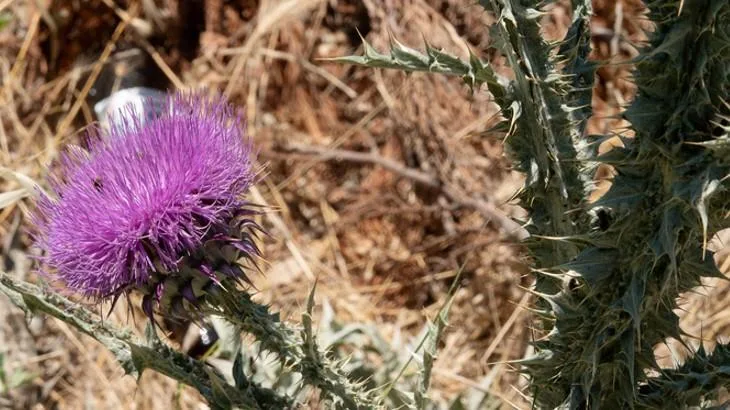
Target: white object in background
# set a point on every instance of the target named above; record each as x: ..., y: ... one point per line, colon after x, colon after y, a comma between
x: 113, y: 109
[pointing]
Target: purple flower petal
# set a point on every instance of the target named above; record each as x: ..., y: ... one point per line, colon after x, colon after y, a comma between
x: 145, y: 196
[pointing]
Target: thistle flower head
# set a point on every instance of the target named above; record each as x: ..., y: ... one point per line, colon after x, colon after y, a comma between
x: 156, y: 207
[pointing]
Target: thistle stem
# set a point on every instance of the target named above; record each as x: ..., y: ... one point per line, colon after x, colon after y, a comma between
x: 135, y: 356
x: 298, y: 353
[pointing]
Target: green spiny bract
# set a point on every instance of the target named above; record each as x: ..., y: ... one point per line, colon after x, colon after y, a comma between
x: 609, y: 274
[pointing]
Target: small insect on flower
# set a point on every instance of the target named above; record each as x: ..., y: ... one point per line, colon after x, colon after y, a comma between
x: 155, y: 207
x: 98, y: 184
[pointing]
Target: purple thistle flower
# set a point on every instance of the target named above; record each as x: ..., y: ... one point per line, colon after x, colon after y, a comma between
x: 155, y: 207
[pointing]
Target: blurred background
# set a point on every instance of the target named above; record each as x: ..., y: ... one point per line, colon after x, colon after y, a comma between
x: 383, y: 184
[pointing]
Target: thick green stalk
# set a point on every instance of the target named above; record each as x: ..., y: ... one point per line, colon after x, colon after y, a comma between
x: 548, y: 145
x: 547, y: 127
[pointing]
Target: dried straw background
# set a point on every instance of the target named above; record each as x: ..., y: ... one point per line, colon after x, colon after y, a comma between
x: 383, y: 245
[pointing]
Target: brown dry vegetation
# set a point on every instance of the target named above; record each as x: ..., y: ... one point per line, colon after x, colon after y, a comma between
x: 384, y: 245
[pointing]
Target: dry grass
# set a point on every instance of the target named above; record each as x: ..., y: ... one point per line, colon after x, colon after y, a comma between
x: 383, y: 246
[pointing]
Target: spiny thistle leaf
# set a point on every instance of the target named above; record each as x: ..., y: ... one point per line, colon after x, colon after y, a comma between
x: 593, y: 265
x: 474, y: 72
x: 694, y: 383
x: 430, y: 350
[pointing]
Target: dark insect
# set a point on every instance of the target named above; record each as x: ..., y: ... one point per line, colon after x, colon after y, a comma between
x: 98, y: 184
x: 204, y: 344
x: 195, y: 341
